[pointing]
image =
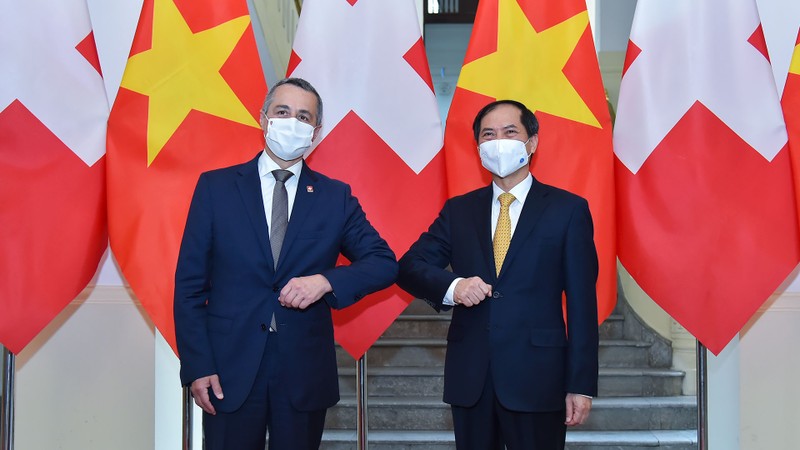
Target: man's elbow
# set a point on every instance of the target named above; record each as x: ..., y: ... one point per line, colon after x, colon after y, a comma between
x: 392, y: 270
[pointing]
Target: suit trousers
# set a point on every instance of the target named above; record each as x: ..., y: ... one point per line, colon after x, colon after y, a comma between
x: 267, y: 408
x: 488, y: 425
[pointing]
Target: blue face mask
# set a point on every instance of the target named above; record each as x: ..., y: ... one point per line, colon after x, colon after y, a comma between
x: 503, y: 157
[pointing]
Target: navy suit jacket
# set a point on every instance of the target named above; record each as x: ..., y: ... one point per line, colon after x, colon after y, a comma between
x: 226, y: 289
x: 519, y: 334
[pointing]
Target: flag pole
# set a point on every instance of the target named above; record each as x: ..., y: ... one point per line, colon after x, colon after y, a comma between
x: 7, y: 430
x: 188, y: 407
x: 702, y: 397
x: 361, y: 402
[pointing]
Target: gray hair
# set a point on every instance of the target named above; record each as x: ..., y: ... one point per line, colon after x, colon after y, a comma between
x: 302, y: 84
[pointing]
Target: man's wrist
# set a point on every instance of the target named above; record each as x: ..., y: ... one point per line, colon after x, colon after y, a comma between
x: 582, y: 395
x: 450, y: 296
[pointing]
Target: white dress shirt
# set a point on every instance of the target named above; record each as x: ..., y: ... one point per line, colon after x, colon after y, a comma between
x: 265, y: 167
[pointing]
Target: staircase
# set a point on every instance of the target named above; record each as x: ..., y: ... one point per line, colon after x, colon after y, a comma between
x: 639, y: 406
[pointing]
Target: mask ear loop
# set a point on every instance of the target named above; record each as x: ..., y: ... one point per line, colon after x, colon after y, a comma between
x: 265, y: 120
x: 533, y: 150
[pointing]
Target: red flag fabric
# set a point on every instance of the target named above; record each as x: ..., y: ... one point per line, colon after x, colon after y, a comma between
x: 541, y: 53
x: 189, y: 102
x: 53, y: 112
x: 791, y: 113
x: 706, y: 213
x: 381, y: 131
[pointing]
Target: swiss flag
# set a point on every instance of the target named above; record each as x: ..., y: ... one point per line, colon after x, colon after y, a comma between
x: 706, y: 211
x: 53, y: 113
x: 791, y: 112
x: 381, y: 131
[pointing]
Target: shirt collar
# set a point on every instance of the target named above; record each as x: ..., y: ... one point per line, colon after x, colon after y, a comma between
x: 520, y: 191
x: 266, y: 165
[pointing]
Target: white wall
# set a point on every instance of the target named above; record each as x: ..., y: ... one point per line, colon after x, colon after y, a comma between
x: 86, y: 381
x: 769, y: 373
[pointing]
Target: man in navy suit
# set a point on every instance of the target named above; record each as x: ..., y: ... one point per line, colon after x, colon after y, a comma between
x: 516, y: 373
x: 257, y: 278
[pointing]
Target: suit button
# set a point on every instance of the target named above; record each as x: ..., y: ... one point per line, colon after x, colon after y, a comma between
x: 263, y: 327
x: 495, y: 294
x: 275, y: 289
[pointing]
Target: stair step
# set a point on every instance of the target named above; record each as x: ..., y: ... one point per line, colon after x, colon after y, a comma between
x: 430, y: 413
x: 631, y: 440
x: 429, y: 381
x: 642, y: 414
x: 634, y: 382
x: 436, y: 325
x: 613, y: 327
x: 392, y: 413
x: 419, y: 307
x: 395, y: 381
x: 576, y: 440
x: 390, y: 440
x: 422, y: 352
x: 400, y: 352
x: 624, y: 353
x: 419, y: 326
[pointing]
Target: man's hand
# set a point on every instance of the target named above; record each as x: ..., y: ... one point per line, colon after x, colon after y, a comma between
x: 200, y: 392
x: 578, y: 407
x: 471, y: 291
x: 301, y: 292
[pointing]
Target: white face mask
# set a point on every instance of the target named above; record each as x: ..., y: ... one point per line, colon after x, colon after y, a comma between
x: 503, y: 156
x: 288, y: 138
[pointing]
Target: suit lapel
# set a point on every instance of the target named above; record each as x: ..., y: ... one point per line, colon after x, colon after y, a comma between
x: 249, y: 185
x: 304, y: 200
x: 484, y: 227
x: 535, y: 204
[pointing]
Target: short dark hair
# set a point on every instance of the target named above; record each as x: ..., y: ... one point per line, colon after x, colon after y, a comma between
x: 526, y: 116
x: 302, y: 84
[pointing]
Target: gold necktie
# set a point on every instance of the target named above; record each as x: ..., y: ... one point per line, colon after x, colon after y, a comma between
x: 502, y: 234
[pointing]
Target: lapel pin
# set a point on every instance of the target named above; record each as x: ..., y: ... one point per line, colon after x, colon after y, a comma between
x: 310, y: 189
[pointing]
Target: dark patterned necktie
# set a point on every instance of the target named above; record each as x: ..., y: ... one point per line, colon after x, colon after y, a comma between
x: 280, y: 213
x: 280, y: 220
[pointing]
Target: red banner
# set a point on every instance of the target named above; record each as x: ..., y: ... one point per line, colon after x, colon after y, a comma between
x: 541, y: 53
x: 189, y: 102
x: 706, y: 209
x: 53, y: 114
x: 381, y: 131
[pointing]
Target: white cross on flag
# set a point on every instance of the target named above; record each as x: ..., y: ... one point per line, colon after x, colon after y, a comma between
x: 381, y: 130
x: 53, y: 113
x: 705, y: 202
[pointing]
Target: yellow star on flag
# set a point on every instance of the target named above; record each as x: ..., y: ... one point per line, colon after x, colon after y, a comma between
x: 794, y: 67
x: 181, y: 72
x: 528, y: 65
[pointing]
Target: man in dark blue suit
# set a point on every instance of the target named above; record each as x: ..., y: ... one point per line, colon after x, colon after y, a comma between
x: 257, y: 278
x: 516, y: 373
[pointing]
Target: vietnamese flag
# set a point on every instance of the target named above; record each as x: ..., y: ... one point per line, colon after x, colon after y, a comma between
x: 791, y: 113
x: 53, y: 113
x: 381, y: 131
x: 706, y: 209
x: 541, y: 53
x: 189, y: 102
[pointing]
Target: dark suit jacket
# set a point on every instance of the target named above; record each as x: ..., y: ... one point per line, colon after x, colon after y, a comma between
x: 226, y: 289
x: 519, y: 334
